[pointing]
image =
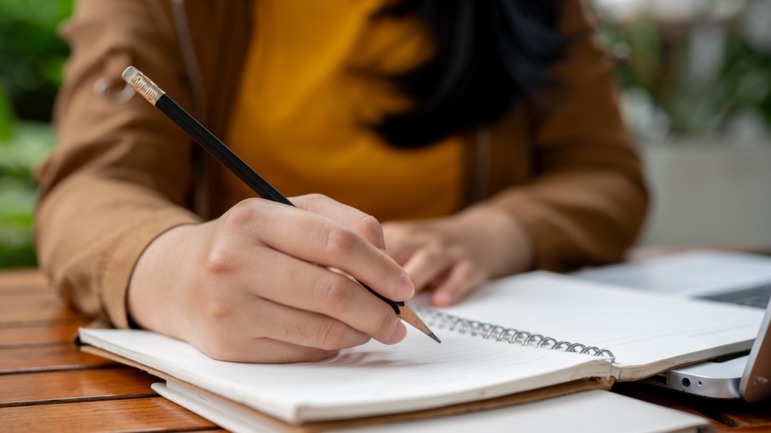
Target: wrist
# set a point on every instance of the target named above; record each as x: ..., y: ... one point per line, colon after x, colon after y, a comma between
x: 505, y: 245
x: 153, y: 280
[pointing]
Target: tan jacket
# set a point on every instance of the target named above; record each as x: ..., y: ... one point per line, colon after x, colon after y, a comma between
x: 122, y: 174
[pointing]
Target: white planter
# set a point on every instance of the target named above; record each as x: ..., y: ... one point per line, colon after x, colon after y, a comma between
x: 709, y: 193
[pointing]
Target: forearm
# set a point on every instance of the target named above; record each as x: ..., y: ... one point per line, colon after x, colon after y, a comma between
x: 578, y: 218
x: 586, y: 199
x: 120, y: 174
x: 504, y: 244
x: 90, y: 233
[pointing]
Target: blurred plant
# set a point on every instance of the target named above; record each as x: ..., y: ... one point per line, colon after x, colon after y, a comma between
x: 32, y: 54
x: 697, y: 67
x: 25, y: 145
x: 31, y: 58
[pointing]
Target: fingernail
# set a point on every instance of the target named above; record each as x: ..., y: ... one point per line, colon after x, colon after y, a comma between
x: 405, y: 289
x: 399, y: 333
x: 442, y: 299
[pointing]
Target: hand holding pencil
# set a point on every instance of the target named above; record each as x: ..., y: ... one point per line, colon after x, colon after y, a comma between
x: 260, y: 283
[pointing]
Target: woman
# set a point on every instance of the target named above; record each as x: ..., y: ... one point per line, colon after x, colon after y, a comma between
x: 485, y: 135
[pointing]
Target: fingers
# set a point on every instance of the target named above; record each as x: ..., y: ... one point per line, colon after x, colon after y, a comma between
x: 430, y: 261
x: 450, y: 272
x: 244, y: 313
x: 434, y: 256
x: 363, y: 224
x: 401, y: 243
x: 321, y: 240
x: 288, y: 281
x: 461, y: 280
x: 263, y: 331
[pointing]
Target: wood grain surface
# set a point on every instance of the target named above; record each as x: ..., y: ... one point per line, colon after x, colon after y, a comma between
x: 47, y: 384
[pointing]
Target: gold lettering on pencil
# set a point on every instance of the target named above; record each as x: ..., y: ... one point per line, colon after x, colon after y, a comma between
x: 143, y: 85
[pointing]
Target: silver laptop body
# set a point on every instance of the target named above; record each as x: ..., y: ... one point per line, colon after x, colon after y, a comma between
x: 738, y: 278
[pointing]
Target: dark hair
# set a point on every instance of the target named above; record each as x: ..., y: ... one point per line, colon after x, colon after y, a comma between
x: 488, y: 54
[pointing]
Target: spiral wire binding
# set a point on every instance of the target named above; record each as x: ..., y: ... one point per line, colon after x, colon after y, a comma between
x: 509, y: 335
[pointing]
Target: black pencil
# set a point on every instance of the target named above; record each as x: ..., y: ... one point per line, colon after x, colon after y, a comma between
x: 157, y: 97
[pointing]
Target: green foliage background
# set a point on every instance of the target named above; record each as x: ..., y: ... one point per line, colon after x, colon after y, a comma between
x: 660, y: 57
x: 31, y: 58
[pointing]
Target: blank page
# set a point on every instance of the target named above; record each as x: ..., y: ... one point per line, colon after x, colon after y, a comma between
x: 371, y: 379
x: 646, y: 332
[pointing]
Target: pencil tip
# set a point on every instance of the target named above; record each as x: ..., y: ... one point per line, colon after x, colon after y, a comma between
x: 408, y: 315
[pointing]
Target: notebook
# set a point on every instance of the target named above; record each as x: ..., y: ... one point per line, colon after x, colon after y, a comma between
x: 594, y: 411
x: 517, y: 339
x: 732, y: 277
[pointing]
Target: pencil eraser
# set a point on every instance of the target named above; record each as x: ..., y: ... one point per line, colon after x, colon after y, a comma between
x: 129, y: 74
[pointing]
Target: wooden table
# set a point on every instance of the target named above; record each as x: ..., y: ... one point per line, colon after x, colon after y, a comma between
x: 47, y: 385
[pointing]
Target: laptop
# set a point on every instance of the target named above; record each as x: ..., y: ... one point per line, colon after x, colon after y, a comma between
x: 738, y: 278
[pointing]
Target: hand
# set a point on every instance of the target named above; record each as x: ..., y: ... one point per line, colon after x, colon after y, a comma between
x: 454, y: 255
x: 268, y: 282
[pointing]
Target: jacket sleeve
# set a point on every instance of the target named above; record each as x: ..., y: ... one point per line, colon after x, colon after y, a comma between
x: 121, y: 172
x: 587, y: 199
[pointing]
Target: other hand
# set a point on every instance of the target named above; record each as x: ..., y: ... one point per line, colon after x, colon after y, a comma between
x: 453, y: 255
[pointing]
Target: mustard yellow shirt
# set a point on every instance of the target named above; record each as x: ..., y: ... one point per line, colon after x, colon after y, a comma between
x: 299, y: 114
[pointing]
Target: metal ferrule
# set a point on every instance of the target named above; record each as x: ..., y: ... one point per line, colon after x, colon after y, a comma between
x: 143, y: 85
